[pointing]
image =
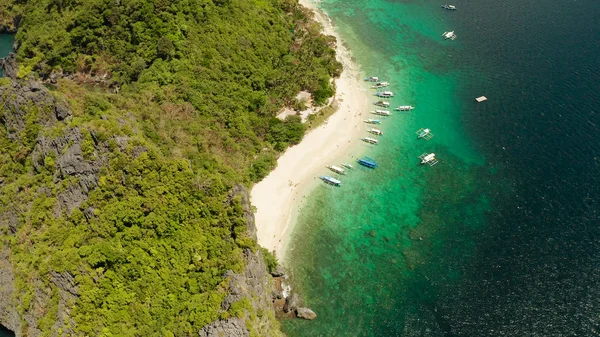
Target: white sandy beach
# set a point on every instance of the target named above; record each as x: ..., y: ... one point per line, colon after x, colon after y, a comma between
x: 299, y: 167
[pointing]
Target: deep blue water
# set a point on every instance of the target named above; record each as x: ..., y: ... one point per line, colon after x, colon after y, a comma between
x: 507, y: 247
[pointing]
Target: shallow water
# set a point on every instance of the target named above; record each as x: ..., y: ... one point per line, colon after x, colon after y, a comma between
x: 501, y: 237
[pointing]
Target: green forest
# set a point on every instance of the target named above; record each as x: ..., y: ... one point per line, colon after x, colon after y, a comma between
x: 174, y: 102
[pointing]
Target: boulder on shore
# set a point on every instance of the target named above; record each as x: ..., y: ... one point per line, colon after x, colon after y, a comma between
x: 306, y: 313
x: 291, y: 303
x: 278, y: 272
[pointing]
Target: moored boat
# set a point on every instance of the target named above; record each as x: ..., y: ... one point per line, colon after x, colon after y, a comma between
x: 405, y: 107
x: 381, y: 112
x: 449, y: 35
x: 370, y: 140
x: 424, y: 133
x: 349, y: 166
x: 331, y: 180
x: 375, y: 131
x: 367, y: 162
x: 384, y: 94
x: 336, y: 169
x: 428, y: 158
x: 372, y: 79
x: 372, y: 121
x: 380, y: 85
x: 449, y: 7
x: 383, y: 104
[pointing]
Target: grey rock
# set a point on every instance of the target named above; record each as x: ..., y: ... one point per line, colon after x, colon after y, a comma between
x: 61, y: 112
x: 306, y: 313
x: 9, y: 66
x: 291, y: 303
x: 233, y: 327
x: 9, y: 317
x: 34, y: 86
x: 278, y: 272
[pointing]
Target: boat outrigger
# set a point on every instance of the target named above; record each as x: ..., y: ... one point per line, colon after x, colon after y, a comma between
x: 367, y: 162
x: 375, y: 131
x: 384, y: 94
x: 428, y: 158
x: 336, y: 169
x: 348, y: 166
x: 405, y: 107
x: 372, y: 79
x: 370, y: 140
x: 331, y: 180
x: 449, y: 35
x: 383, y: 104
x: 380, y: 85
x: 424, y: 133
x: 372, y: 121
x: 381, y: 112
x: 449, y: 7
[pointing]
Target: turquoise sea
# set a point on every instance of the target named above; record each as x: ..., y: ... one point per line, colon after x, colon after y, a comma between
x: 502, y: 236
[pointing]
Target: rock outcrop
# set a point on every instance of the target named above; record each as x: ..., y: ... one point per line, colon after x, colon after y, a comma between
x: 8, y: 65
x: 22, y: 101
x: 305, y: 313
x: 253, y: 284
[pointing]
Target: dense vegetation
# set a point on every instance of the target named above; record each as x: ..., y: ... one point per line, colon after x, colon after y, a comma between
x: 199, y: 83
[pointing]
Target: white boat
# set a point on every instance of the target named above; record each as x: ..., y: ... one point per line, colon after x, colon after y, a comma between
x: 405, y: 108
x: 428, y: 158
x: 424, y: 133
x: 372, y: 121
x: 449, y: 7
x: 375, y: 131
x: 380, y: 85
x: 336, y: 169
x: 349, y: 166
x: 331, y: 180
x: 372, y: 79
x: 382, y: 104
x: 381, y: 112
x: 449, y: 35
x: 385, y: 94
x: 370, y: 140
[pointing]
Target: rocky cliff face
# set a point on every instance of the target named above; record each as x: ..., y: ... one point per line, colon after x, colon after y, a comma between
x: 254, y: 284
x: 77, y: 171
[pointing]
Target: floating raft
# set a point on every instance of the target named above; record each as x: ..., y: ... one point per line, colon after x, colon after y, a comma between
x: 481, y: 99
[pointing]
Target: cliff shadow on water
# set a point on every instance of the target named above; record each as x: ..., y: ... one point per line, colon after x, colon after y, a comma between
x: 4, y: 332
x: 6, y: 46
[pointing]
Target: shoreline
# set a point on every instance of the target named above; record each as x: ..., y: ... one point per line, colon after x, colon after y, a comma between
x: 280, y: 195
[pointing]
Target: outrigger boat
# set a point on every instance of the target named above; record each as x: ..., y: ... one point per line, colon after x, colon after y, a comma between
x: 348, y: 166
x: 336, y: 169
x: 370, y: 140
x: 331, y: 180
x: 372, y: 121
x: 375, y: 131
x: 428, y: 158
x: 424, y: 133
x: 372, y: 79
x: 449, y: 35
x: 384, y: 94
x: 405, y: 107
x: 367, y: 162
x: 383, y: 104
x: 380, y: 85
x: 381, y: 112
x: 449, y: 7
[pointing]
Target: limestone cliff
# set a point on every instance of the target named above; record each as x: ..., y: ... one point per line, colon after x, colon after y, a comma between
x: 247, y: 307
